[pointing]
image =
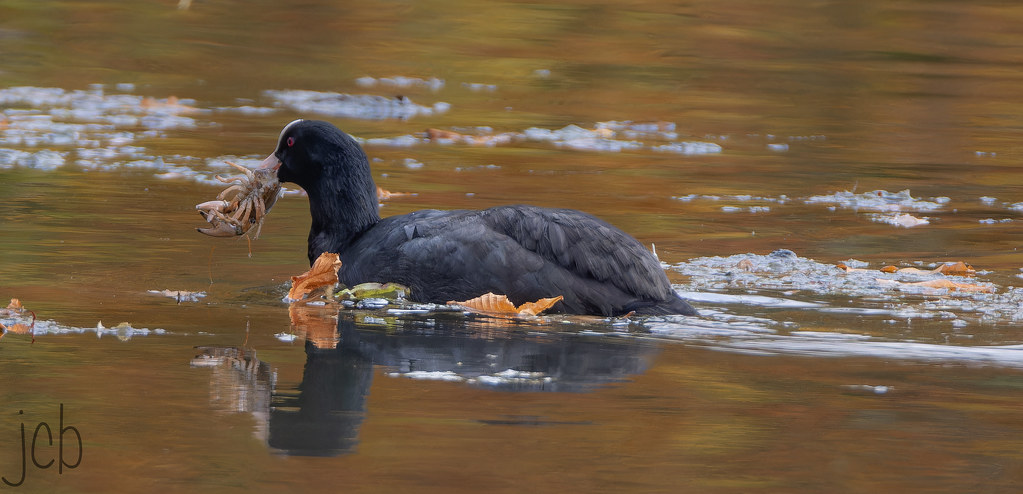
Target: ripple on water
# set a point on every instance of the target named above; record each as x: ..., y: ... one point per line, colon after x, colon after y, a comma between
x: 123, y: 331
x: 106, y: 129
x: 363, y: 106
x: 782, y: 282
x: 879, y: 200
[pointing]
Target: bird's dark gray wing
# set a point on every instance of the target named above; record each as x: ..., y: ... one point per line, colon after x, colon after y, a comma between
x: 521, y: 251
x: 585, y: 246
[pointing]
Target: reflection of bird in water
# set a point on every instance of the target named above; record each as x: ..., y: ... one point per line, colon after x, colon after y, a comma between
x: 323, y: 413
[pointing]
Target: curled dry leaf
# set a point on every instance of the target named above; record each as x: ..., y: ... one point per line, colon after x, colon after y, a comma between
x: 15, y: 305
x: 747, y: 265
x: 323, y: 273
x: 492, y: 304
x: 243, y: 205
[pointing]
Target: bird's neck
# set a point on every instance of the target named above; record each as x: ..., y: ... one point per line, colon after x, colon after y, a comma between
x: 341, y: 216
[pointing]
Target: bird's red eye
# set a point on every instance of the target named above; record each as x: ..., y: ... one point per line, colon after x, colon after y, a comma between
x: 291, y: 141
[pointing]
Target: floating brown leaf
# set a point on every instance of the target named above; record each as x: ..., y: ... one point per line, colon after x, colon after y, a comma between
x: 20, y: 328
x: 435, y: 134
x: 383, y: 194
x: 323, y: 273
x: 15, y: 309
x: 492, y: 304
x: 956, y: 269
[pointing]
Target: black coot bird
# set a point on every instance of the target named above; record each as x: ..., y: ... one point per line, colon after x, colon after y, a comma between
x: 524, y: 252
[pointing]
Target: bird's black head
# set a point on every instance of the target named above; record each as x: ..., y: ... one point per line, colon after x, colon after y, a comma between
x: 332, y: 168
x: 311, y: 151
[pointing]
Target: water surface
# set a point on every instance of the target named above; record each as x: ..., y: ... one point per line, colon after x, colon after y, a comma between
x: 719, y: 133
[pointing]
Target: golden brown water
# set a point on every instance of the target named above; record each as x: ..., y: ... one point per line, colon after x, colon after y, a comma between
x: 855, y: 390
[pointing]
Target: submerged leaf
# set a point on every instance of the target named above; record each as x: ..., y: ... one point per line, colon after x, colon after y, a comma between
x: 949, y: 269
x: 939, y: 283
x: 170, y: 105
x: 323, y: 273
x: 490, y: 303
x: 900, y: 219
x: 389, y: 291
x: 952, y: 285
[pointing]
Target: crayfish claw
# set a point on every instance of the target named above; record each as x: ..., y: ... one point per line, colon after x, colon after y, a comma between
x: 242, y: 205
